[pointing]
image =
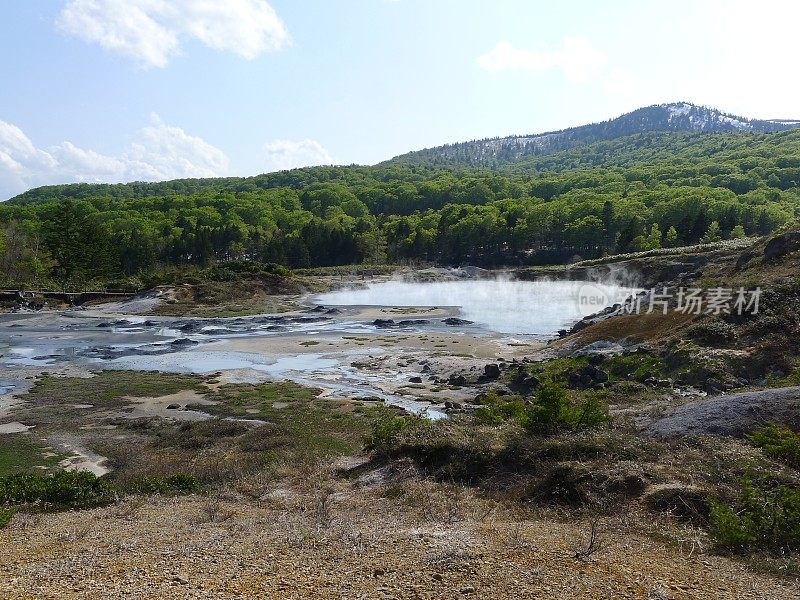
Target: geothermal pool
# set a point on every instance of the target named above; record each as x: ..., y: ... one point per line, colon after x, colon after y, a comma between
x: 383, y: 335
x: 516, y: 307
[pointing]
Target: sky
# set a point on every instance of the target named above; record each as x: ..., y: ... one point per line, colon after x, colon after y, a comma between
x: 132, y: 90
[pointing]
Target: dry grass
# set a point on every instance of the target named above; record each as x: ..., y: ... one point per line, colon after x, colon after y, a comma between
x: 653, y: 328
x: 328, y: 537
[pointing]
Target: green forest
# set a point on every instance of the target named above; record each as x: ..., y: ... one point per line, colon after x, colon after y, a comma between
x: 634, y: 193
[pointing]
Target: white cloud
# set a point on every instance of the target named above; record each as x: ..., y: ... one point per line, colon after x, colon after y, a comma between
x: 577, y: 59
x: 151, y: 31
x: 19, y: 159
x: 158, y: 152
x: 288, y: 154
x: 166, y: 152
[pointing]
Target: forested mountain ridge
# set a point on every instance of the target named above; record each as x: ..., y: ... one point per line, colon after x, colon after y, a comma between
x: 673, y: 117
x: 655, y: 133
x: 634, y: 193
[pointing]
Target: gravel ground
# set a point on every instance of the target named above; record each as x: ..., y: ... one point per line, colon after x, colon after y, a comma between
x: 350, y: 542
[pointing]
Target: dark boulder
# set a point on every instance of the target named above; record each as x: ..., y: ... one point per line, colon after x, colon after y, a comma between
x: 595, y: 358
x: 599, y: 375
x: 585, y: 377
x: 782, y: 245
x: 491, y: 371
x: 530, y: 382
x: 453, y: 321
x: 715, y: 386
x: 523, y: 381
x: 458, y: 380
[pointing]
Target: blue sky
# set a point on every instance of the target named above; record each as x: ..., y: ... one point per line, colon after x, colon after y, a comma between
x: 116, y: 90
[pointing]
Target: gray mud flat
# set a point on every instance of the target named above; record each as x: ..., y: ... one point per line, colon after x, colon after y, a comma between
x: 731, y: 415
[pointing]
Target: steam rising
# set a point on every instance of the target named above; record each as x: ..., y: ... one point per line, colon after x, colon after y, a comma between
x: 516, y: 307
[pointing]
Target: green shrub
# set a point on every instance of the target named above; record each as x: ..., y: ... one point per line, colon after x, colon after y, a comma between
x: 713, y: 333
x: 231, y: 271
x: 551, y: 409
x: 21, y: 488
x: 764, y: 517
x: 544, y: 415
x: 166, y: 485
x: 779, y: 443
x: 636, y: 366
x: 238, y: 270
x: 5, y: 516
x: 387, y: 430
x: 65, y: 489
x: 495, y: 409
x: 729, y: 529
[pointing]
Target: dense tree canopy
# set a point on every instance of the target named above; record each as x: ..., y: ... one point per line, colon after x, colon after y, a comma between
x: 633, y: 193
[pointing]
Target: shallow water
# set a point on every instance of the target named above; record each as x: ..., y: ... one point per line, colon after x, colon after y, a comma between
x: 517, y: 307
x: 517, y: 310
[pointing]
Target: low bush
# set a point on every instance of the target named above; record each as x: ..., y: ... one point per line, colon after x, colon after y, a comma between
x: 634, y: 366
x: 165, y: 485
x: 64, y: 489
x: 766, y: 516
x: 551, y: 409
x: 232, y: 271
x: 5, y: 516
x: 387, y: 430
x: 779, y: 443
x: 732, y: 244
x: 495, y: 409
x: 713, y: 333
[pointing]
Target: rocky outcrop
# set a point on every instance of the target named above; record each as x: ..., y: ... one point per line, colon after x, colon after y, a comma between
x: 732, y: 415
x: 455, y: 322
x: 586, y: 377
x: 782, y: 245
x: 389, y: 323
x: 491, y: 371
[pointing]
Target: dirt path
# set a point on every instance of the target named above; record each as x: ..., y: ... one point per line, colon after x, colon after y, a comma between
x: 79, y: 457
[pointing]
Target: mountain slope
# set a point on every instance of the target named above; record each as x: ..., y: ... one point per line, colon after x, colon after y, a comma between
x: 675, y: 117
